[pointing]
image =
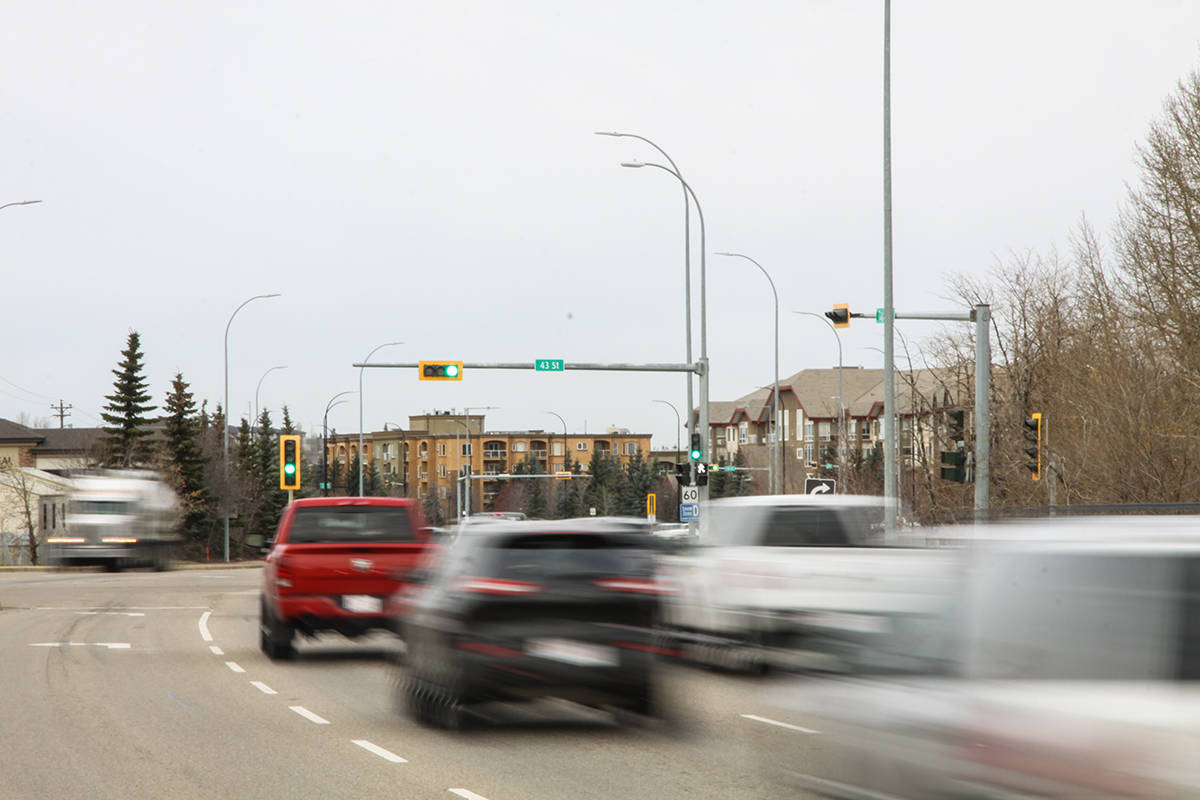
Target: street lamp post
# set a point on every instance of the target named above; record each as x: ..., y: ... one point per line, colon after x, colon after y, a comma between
x: 775, y: 453
x: 225, y: 433
x: 256, y: 388
x: 687, y: 265
x: 325, y: 437
x: 841, y: 397
x: 20, y: 203
x: 471, y: 455
x: 703, y: 421
x: 360, y: 411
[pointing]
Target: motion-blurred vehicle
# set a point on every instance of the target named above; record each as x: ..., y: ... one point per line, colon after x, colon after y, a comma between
x: 523, y: 610
x: 793, y: 580
x: 118, y: 519
x: 333, y: 564
x: 1072, y: 671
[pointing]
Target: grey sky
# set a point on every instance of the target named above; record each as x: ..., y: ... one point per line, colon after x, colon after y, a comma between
x: 426, y: 172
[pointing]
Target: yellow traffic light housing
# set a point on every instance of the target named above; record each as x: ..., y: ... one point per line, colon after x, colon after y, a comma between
x: 289, y: 461
x: 1033, y: 433
x: 840, y: 315
x: 440, y: 370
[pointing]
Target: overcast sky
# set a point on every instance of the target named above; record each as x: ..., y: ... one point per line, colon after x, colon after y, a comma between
x: 426, y: 172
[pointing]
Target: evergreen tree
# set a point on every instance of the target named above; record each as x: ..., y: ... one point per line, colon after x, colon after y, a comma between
x: 739, y: 484
x: 127, y: 431
x: 535, y: 498
x: 288, y: 426
x: 352, y: 477
x: 270, y: 499
x: 187, y: 462
x: 639, y: 482
x: 718, y: 481
x: 604, y: 489
x: 373, y: 482
x: 432, y: 509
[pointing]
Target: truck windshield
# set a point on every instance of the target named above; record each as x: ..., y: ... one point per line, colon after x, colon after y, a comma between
x: 350, y: 524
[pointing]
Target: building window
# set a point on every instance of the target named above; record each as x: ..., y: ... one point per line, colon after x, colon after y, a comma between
x: 441, y: 448
x: 558, y: 448
x: 581, y: 445
x: 518, y: 447
x: 808, y: 430
x: 742, y: 428
x: 808, y: 454
x: 442, y: 470
x: 785, y: 422
x: 823, y: 429
x: 466, y: 449
x: 630, y: 448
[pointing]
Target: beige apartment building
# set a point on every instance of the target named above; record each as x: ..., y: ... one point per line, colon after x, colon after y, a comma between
x: 440, y: 450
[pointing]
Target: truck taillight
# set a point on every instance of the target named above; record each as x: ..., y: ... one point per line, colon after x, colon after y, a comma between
x: 284, y: 574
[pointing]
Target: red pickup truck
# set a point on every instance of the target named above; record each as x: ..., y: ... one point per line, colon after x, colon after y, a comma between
x: 333, y: 564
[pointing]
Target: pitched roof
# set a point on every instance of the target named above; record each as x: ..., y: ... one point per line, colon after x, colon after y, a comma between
x: 68, y: 440
x: 13, y: 432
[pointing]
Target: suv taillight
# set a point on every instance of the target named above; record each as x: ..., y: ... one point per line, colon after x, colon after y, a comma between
x: 635, y: 585
x: 496, y: 586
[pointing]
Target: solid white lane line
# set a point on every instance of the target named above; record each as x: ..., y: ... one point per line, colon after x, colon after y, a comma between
x: 379, y: 751
x: 468, y: 794
x: 262, y: 687
x: 779, y: 724
x: 109, y: 645
x: 204, y: 634
x: 233, y: 665
x: 308, y: 715
x: 216, y: 651
x: 112, y: 613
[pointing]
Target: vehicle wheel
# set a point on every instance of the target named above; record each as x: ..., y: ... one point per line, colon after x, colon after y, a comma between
x: 275, y: 637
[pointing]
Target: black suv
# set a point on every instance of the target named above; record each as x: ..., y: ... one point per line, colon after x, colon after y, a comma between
x: 522, y: 610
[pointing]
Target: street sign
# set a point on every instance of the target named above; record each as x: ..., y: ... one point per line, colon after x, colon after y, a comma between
x: 819, y: 485
x: 689, y: 512
x: 689, y: 494
x: 548, y: 365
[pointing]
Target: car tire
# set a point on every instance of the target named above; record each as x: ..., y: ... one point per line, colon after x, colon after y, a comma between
x: 275, y: 637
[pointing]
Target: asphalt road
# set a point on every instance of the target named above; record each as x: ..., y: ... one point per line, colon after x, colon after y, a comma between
x: 151, y: 685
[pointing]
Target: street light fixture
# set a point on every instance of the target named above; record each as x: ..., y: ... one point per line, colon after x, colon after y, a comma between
x: 841, y: 396
x: 20, y: 203
x: 703, y: 422
x: 360, y: 410
x: 325, y: 437
x: 225, y: 433
x: 776, y: 453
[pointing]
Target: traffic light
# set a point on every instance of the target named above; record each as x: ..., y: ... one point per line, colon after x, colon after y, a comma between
x: 289, y: 461
x: 696, y: 453
x: 1033, y: 433
x: 954, y: 425
x: 683, y: 474
x: 840, y: 315
x: 954, y: 465
x: 702, y: 474
x: 440, y: 370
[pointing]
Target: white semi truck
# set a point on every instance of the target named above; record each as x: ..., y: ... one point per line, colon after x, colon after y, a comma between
x: 117, y: 519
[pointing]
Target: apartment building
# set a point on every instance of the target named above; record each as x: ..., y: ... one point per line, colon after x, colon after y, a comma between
x: 439, y: 450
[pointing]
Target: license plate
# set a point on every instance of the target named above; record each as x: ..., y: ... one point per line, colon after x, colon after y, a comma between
x: 362, y: 603
x: 580, y: 654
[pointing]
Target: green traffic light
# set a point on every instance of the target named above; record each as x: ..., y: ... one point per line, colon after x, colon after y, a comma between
x: 695, y: 455
x: 289, y: 469
x: 452, y: 370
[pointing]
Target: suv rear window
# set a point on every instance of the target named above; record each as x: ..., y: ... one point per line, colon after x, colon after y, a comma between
x: 350, y: 524
x: 571, y: 554
x: 805, y: 527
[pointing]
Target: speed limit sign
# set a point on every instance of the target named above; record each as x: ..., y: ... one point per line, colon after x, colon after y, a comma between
x: 689, y: 494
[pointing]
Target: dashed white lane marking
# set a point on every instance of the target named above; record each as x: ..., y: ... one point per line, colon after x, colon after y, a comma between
x: 262, y: 687
x: 379, y: 751
x: 204, y: 634
x: 468, y: 794
x: 308, y: 715
x: 109, y: 645
x: 216, y: 651
x: 779, y: 724
x: 233, y: 665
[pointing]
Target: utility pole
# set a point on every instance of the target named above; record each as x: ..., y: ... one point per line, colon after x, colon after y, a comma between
x: 63, y: 411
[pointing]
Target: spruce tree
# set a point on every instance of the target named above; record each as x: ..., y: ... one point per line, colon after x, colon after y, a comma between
x: 127, y: 431
x: 186, y: 468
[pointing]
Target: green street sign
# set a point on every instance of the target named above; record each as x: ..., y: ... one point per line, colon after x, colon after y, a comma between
x: 548, y: 365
